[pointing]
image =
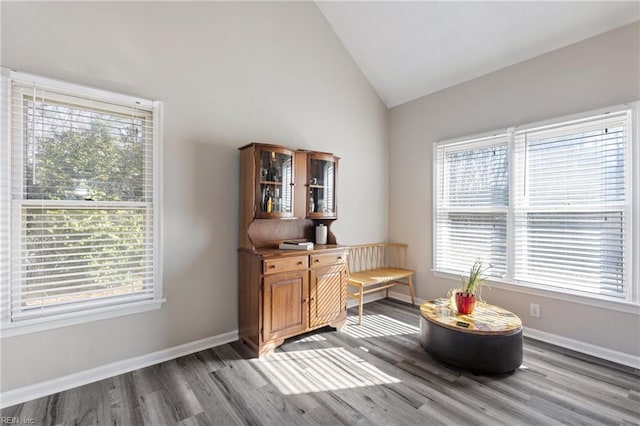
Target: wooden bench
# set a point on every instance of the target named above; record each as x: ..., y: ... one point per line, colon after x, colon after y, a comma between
x: 375, y: 267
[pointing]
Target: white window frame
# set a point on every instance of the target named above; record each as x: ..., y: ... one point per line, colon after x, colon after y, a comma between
x: 631, y: 304
x: 7, y: 227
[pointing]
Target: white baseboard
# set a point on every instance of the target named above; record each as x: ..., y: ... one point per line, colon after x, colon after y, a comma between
x: 405, y: 297
x: 585, y: 348
x: 38, y: 390
x: 371, y: 297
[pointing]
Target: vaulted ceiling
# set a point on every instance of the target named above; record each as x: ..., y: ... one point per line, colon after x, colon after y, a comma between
x: 410, y: 49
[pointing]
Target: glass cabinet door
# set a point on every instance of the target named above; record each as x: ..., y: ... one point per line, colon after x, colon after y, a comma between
x: 322, y: 170
x: 275, y: 183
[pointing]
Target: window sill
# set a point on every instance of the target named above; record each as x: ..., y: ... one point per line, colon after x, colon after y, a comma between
x: 74, y: 318
x: 613, y: 305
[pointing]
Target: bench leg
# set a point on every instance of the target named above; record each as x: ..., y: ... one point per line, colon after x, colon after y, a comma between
x: 360, y: 303
x: 413, y: 297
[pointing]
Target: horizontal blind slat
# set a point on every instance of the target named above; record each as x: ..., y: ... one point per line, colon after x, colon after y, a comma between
x: 33, y: 281
x: 73, y: 306
x: 39, y: 296
x: 71, y: 265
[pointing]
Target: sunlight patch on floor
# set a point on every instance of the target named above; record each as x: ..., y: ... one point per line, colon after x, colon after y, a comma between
x: 377, y: 326
x: 319, y: 370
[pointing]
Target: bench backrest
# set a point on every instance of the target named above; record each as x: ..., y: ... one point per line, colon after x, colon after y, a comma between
x: 379, y: 255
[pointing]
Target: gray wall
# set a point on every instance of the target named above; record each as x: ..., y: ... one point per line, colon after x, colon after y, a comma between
x: 229, y: 74
x: 598, y: 72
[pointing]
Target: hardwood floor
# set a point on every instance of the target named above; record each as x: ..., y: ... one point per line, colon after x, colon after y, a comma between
x: 375, y: 373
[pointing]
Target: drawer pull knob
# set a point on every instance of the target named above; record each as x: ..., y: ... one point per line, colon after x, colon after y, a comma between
x: 339, y: 257
x: 272, y: 266
x: 317, y: 260
x: 300, y: 262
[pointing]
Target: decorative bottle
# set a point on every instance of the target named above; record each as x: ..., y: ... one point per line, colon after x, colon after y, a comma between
x: 267, y: 205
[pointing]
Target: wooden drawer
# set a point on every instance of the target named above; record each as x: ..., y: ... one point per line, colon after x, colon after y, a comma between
x: 318, y: 260
x: 271, y: 266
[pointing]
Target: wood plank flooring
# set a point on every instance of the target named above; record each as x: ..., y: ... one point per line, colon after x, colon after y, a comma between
x: 375, y: 373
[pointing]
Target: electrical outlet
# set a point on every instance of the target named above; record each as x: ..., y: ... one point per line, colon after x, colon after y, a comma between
x: 534, y: 310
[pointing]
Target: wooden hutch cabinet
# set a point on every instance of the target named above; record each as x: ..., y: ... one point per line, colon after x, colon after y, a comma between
x: 284, y: 194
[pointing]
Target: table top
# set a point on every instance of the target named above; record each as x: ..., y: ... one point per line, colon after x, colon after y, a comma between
x: 485, y: 319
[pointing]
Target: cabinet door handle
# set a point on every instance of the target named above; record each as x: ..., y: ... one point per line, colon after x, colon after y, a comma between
x: 305, y: 300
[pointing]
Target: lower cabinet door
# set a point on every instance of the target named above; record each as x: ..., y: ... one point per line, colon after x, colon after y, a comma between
x: 328, y: 300
x: 285, y: 304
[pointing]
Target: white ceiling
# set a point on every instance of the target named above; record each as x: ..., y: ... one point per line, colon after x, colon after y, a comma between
x: 410, y: 49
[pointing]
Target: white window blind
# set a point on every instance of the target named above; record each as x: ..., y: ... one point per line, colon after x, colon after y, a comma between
x: 572, y: 209
x: 559, y: 218
x: 472, y: 196
x: 81, y: 191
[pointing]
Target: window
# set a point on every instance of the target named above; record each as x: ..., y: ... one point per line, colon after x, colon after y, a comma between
x: 561, y: 220
x: 473, y: 195
x: 80, y: 211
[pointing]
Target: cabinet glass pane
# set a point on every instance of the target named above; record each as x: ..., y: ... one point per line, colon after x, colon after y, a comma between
x: 322, y: 187
x: 276, y: 178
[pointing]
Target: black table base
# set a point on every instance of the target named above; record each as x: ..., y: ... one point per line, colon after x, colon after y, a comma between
x: 480, y: 353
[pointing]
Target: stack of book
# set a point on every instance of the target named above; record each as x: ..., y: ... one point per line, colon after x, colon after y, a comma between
x: 296, y: 245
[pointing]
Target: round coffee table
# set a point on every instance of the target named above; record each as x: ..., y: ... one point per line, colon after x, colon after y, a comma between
x: 489, y: 340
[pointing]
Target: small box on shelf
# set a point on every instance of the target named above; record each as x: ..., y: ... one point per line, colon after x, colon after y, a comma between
x: 296, y: 245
